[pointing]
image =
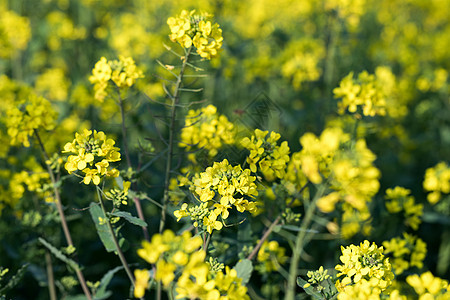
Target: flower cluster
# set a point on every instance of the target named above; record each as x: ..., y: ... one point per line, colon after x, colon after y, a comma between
x: 270, y: 256
x: 179, y: 261
x: 365, y: 92
x: 119, y: 196
x: 206, y: 129
x: 399, y: 199
x: 92, y: 149
x: 437, y: 182
x: 302, y: 61
x: 123, y: 73
x: 29, y: 115
x: 190, y: 28
x: 348, y: 168
x: 428, y: 286
x: 265, y: 153
x: 15, y: 32
x: 219, y: 188
x: 364, y: 263
x: 407, y: 252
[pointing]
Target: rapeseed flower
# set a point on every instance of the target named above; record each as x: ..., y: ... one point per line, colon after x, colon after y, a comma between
x: 266, y: 154
x: 198, y: 30
x: 92, y: 149
x: 364, y: 263
x: 121, y: 73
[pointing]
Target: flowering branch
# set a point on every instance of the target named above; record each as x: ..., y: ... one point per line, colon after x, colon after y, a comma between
x: 61, y: 213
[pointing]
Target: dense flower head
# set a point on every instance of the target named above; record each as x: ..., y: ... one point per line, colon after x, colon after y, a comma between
x: 349, y: 168
x: 179, y: 261
x: 198, y: 30
x: 437, y: 182
x: 355, y: 221
x: 15, y: 32
x: 121, y: 73
x: 219, y: 188
x: 29, y: 115
x: 366, y: 92
x: 270, y: 257
x: 364, y: 263
x: 301, y: 61
x: 399, y: 199
x: 407, y: 252
x: 119, y: 196
x: 206, y: 129
x: 93, y: 154
x: 266, y: 154
x: 428, y: 286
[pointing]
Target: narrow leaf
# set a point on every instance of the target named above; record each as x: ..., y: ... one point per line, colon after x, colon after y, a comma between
x: 58, y: 254
x: 127, y: 216
x: 102, y: 228
x: 244, y: 269
x: 309, y: 289
x: 14, y: 280
x: 106, y: 279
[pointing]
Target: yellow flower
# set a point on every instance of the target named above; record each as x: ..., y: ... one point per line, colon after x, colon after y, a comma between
x: 92, y: 148
x: 165, y: 272
x: 142, y: 278
x: 123, y: 73
x: 364, y: 262
x: 366, y: 92
x: 190, y: 28
x: 15, y: 32
x: 400, y: 199
x: 91, y: 174
x: 409, y: 251
x: 429, y: 287
x: 437, y: 181
x: 271, y: 158
x: 206, y: 129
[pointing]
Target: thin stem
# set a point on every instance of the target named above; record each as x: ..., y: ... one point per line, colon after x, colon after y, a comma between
x: 264, y: 237
x: 62, y: 216
x: 116, y: 243
x: 175, y: 99
x: 299, y: 245
x: 136, y: 200
x: 271, y: 227
x: 50, y: 276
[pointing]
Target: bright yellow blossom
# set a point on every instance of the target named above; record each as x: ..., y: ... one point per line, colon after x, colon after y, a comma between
x: 437, y: 182
x: 265, y: 152
x: 123, y: 73
x: 364, y: 263
x: 190, y: 28
x: 92, y: 149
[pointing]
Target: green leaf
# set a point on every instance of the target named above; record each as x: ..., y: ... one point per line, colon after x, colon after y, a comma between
x: 14, y: 280
x: 58, y: 254
x: 106, y: 279
x: 127, y: 216
x: 102, y: 229
x: 244, y: 269
x: 309, y: 290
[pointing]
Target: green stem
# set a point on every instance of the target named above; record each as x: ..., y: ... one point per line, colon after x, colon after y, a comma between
x: 175, y: 100
x: 299, y: 245
x: 116, y: 243
x: 50, y: 276
x: 271, y: 227
x: 61, y: 213
x: 136, y: 200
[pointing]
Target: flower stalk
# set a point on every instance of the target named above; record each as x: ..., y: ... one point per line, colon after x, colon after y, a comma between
x: 175, y: 98
x: 299, y: 244
x: 61, y: 214
x: 116, y: 243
